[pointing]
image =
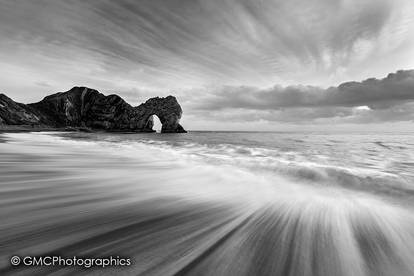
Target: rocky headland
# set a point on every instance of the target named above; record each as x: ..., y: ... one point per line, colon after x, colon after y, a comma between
x: 85, y: 108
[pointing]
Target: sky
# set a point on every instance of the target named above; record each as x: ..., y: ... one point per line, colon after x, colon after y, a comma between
x: 232, y: 64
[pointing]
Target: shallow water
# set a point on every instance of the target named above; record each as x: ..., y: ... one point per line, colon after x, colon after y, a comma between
x: 210, y: 203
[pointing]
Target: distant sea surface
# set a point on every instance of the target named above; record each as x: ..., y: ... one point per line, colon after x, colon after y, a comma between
x: 210, y: 203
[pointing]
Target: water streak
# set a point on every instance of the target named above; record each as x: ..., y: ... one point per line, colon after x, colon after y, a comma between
x: 193, y: 206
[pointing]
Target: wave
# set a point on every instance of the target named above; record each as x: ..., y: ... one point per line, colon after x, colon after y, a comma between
x: 270, y: 162
x: 305, y: 169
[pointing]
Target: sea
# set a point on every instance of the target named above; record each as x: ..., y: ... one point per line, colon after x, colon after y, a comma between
x: 208, y: 203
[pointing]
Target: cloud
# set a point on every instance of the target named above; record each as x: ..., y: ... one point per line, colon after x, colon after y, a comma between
x: 372, y: 100
x: 141, y: 48
x: 183, y: 44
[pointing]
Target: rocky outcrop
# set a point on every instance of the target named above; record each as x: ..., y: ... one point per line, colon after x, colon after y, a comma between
x: 13, y: 113
x: 168, y: 111
x: 87, y: 108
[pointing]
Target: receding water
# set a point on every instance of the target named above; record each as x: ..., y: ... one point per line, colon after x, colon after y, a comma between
x: 210, y: 203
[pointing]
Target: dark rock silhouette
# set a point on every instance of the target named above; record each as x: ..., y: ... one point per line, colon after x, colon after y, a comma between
x: 82, y: 107
x: 12, y: 113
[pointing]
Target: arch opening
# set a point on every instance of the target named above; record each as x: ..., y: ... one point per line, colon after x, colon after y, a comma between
x: 157, y: 125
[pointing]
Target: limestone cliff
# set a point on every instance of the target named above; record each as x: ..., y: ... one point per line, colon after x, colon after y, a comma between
x: 85, y: 107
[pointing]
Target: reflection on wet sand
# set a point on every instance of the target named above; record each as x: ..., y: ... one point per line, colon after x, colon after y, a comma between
x: 172, y: 217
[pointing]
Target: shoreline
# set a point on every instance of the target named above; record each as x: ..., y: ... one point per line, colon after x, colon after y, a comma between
x: 28, y: 128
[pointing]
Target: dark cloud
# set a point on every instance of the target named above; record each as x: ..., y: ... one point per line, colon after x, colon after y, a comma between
x: 372, y: 100
x: 394, y: 89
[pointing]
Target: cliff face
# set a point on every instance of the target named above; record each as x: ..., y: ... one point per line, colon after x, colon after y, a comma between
x: 85, y: 107
x: 13, y: 113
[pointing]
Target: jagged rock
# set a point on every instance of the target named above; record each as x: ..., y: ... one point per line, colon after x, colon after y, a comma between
x: 13, y: 113
x: 82, y: 107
